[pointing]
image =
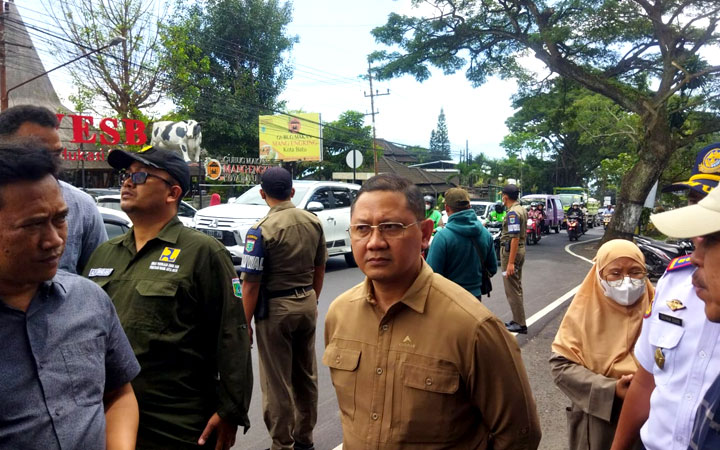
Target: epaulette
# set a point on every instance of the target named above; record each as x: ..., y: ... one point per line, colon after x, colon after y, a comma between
x: 678, y: 263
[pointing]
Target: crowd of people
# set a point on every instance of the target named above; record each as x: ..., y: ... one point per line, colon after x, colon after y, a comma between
x: 143, y: 341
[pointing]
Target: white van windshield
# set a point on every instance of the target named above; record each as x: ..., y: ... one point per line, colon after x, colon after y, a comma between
x: 252, y: 196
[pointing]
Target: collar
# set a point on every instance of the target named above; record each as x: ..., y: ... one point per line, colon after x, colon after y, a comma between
x: 169, y: 233
x: 46, y: 291
x: 281, y: 207
x: 416, y: 295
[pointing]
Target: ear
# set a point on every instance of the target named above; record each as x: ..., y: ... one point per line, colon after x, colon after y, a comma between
x: 175, y: 194
x: 292, y: 192
x: 426, y: 227
x: 263, y: 195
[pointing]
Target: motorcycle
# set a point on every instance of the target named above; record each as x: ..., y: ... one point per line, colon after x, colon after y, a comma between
x: 573, y: 228
x: 495, y: 229
x: 658, y: 254
x: 532, y: 231
x: 606, y: 220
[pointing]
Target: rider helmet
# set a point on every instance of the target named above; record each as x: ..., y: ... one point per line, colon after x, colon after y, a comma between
x: 499, y: 207
x: 431, y: 200
x: 533, y: 205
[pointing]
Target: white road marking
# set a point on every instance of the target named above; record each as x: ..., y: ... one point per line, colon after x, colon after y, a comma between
x: 559, y: 302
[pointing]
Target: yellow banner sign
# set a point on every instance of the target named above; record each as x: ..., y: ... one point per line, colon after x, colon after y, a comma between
x: 291, y: 138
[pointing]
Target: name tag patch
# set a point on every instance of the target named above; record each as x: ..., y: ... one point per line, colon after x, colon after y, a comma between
x: 100, y: 272
x: 165, y: 267
x: 671, y: 319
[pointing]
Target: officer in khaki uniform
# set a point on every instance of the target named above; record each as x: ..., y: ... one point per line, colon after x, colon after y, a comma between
x: 178, y: 298
x: 512, y: 256
x: 416, y: 361
x: 282, y: 272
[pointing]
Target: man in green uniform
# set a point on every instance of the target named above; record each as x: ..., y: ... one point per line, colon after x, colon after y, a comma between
x: 432, y: 213
x: 178, y: 299
x: 498, y: 213
x: 282, y: 271
x: 512, y: 256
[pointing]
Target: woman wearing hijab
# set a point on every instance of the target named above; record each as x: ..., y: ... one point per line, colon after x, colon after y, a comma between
x: 592, y: 360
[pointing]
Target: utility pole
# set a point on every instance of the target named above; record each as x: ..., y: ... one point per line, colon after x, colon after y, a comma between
x: 373, y: 112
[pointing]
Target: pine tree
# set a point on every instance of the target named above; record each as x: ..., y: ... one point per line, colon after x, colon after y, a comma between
x: 439, y: 140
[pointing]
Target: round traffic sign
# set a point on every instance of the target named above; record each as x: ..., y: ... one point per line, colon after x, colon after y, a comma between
x: 358, y: 159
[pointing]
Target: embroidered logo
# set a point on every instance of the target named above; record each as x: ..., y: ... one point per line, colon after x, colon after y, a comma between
x: 237, y: 287
x: 169, y: 254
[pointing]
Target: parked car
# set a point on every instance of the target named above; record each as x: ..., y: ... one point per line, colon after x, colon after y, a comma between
x: 553, y: 209
x: 185, y: 211
x: 482, y: 210
x: 329, y: 200
x: 116, y: 222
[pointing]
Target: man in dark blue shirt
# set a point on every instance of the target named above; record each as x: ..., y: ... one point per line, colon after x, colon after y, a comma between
x: 65, y: 363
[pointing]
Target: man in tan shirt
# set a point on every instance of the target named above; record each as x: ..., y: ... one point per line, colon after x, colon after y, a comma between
x: 416, y: 360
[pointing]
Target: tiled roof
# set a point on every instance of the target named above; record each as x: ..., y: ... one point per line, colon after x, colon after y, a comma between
x: 396, y: 152
x: 428, y: 182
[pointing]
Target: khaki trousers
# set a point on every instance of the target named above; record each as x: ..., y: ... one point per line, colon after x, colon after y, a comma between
x: 513, y: 284
x: 288, y: 370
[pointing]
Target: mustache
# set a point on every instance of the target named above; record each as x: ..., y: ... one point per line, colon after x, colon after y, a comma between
x: 697, y: 280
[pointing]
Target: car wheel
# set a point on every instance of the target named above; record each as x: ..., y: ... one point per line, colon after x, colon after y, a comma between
x: 350, y: 259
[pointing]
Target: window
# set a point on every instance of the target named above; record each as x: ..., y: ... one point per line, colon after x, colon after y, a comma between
x: 322, y: 195
x: 342, y: 198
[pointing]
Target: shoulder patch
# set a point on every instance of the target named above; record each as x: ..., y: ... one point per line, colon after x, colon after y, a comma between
x: 254, y: 255
x: 679, y: 263
x: 648, y: 311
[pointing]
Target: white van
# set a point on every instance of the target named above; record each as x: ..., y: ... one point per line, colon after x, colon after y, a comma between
x: 329, y: 200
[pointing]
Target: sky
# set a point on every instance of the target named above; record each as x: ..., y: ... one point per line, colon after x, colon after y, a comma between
x: 330, y: 61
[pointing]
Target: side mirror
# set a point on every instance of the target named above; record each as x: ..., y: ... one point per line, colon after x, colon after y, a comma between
x: 314, y: 206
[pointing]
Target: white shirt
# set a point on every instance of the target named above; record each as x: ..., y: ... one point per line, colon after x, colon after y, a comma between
x: 692, y: 361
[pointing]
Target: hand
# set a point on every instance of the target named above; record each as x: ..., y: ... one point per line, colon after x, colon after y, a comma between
x: 622, y: 385
x: 510, y: 269
x: 225, y: 432
x: 250, y: 333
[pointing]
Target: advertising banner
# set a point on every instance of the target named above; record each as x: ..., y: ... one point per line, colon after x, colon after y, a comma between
x: 296, y: 137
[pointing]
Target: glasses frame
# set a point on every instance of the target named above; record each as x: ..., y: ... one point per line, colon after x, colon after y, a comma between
x: 633, y: 281
x: 124, y: 176
x: 380, y: 229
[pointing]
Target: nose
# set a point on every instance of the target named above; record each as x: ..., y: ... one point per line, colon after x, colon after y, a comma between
x: 699, y: 253
x: 54, y: 237
x: 376, y: 239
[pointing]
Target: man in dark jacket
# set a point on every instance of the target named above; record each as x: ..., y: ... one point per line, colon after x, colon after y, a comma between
x: 461, y: 250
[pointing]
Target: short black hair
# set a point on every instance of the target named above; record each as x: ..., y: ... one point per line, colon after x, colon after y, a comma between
x: 25, y: 160
x: 395, y: 183
x: 12, y: 118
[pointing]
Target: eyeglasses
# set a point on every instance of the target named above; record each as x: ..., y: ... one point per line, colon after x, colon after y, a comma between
x: 140, y: 178
x: 388, y: 230
x: 615, y: 279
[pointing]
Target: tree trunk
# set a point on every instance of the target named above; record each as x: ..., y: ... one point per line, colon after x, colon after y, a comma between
x: 654, y: 153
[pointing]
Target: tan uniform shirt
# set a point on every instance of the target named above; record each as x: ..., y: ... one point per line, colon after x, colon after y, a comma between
x: 293, y: 244
x: 437, y: 371
x: 514, y: 224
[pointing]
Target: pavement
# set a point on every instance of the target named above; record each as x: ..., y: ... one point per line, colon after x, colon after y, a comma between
x: 553, y: 269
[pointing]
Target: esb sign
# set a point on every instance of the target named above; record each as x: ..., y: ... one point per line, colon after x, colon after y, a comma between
x: 109, y: 133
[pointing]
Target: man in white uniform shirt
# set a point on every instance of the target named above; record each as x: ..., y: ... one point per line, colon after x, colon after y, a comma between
x: 678, y: 347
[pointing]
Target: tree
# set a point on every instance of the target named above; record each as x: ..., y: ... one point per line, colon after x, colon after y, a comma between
x: 439, y: 140
x: 571, y: 128
x: 226, y: 67
x: 347, y: 133
x: 124, y: 77
x: 647, y: 57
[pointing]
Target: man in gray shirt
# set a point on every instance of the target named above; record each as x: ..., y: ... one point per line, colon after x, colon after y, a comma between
x: 86, y: 230
x: 65, y: 363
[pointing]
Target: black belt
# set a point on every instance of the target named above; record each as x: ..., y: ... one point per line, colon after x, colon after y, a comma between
x: 298, y: 292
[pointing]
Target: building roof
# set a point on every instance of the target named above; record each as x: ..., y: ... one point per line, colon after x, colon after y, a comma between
x: 395, y: 152
x: 428, y: 182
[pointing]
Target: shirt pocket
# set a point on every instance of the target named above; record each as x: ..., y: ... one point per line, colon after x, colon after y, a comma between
x: 85, y: 364
x: 153, y: 307
x: 666, y: 338
x: 343, y: 364
x: 428, y: 402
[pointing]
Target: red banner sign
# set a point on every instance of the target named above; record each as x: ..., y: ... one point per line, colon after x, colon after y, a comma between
x: 109, y: 131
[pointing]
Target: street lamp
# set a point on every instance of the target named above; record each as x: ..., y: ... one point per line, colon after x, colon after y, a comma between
x: 5, y: 93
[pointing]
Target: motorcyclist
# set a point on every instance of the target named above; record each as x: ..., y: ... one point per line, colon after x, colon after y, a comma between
x: 576, y: 213
x: 539, y: 214
x: 498, y: 214
x: 431, y: 212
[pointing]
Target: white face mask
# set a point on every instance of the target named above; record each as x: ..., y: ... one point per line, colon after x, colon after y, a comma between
x: 427, y: 207
x: 626, y: 294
